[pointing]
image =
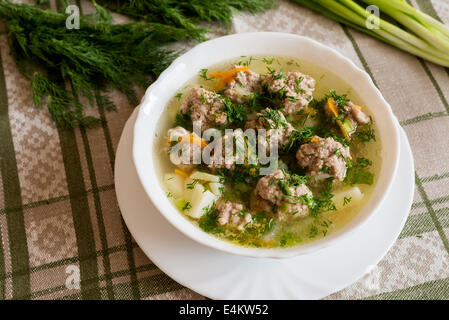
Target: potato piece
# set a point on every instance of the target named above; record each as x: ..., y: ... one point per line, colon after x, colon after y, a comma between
x: 182, y: 204
x: 200, y: 202
x: 216, y: 188
x: 192, y: 189
x: 174, y: 184
x: 197, y: 193
x: 191, y: 195
x: 352, y: 195
x: 204, y: 176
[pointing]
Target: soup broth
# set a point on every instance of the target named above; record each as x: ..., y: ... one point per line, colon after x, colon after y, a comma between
x: 329, y: 155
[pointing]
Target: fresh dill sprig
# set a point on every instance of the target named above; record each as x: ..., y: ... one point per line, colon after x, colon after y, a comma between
x: 186, y: 13
x: 340, y: 100
x: 89, y: 60
x: 235, y: 113
x: 297, y: 137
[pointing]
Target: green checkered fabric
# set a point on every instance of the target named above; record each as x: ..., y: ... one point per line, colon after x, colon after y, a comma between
x: 59, y: 213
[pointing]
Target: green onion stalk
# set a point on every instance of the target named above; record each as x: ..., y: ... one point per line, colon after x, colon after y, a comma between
x: 407, y: 28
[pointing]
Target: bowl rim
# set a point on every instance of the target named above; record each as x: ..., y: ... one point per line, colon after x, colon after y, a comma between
x: 174, y: 217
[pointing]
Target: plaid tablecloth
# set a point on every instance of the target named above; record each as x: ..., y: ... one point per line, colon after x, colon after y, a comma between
x: 58, y: 209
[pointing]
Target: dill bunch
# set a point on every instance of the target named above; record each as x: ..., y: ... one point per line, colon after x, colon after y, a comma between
x: 98, y: 56
x: 185, y: 13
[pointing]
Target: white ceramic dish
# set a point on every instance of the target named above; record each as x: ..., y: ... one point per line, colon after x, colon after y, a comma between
x: 270, y: 43
x: 219, y: 275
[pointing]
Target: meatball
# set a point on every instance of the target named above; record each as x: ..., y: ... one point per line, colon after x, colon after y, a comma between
x: 206, y: 107
x: 232, y: 213
x: 258, y: 204
x: 284, y: 198
x: 294, y: 89
x: 275, y: 123
x: 357, y: 115
x: 324, y: 158
x: 243, y: 85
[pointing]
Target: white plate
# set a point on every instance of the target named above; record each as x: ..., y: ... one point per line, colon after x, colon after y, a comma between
x: 219, y: 275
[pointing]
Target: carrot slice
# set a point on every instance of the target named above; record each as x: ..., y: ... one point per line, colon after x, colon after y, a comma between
x: 226, y: 76
x: 192, y: 138
x: 333, y: 109
x: 181, y: 173
x: 308, y: 112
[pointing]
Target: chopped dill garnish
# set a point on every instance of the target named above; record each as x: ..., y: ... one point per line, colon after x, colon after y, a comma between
x: 288, y: 239
x: 295, y: 180
x: 203, y: 74
x: 203, y: 97
x: 362, y: 162
x: 280, y: 75
x: 366, y: 133
x: 268, y: 61
x: 359, y: 176
x: 293, y: 99
x: 297, y: 137
x: 192, y: 185
x: 313, y: 232
x: 183, y: 120
x: 340, y: 100
x: 270, y: 70
x: 187, y: 206
x: 276, y: 119
x: 323, y: 202
x: 282, y: 93
x: 247, y: 62
x: 298, y: 85
x: 209, y: 221
x: 235, y: 113
x: 283, y: 186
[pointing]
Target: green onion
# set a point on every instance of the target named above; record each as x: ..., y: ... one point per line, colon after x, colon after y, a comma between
x: 284, y: 188
x: 347, y: 126
x: 410, y: 30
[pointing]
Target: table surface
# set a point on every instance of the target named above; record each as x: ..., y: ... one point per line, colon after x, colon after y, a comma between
x: 58, y: 210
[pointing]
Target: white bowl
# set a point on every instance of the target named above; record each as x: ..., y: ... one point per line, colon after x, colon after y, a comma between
x: 214, y: 51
